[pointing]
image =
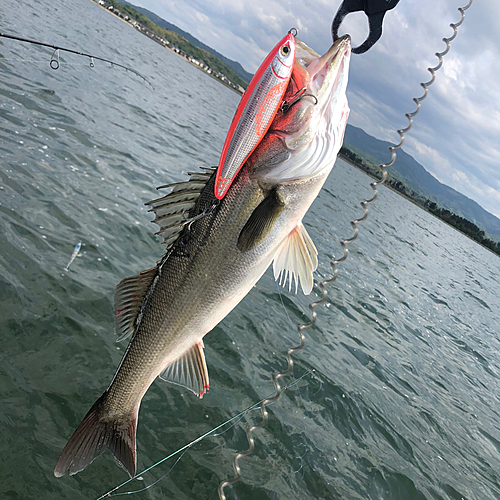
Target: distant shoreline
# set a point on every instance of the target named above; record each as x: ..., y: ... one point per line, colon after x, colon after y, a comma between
x: 96, y: 2
x: 355, y: 165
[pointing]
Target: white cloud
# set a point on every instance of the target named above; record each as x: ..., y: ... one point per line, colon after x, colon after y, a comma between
x: 427, y: 155
x: 202, y: 18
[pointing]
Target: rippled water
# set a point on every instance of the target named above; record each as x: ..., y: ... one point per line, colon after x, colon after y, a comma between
x: 403, y: 402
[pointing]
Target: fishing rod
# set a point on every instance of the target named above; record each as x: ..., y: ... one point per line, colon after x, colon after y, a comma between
x: 54, y: 59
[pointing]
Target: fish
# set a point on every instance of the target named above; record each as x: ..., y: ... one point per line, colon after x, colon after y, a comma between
x: 255, y: 112
x: 216, y: 250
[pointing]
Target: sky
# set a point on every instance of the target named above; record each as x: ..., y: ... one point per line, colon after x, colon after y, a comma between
x: 455, y: 136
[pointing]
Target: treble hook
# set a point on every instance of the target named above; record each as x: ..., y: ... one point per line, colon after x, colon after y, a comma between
x: 300, y: 94
x: 92, y: 62
x: 189, y: 221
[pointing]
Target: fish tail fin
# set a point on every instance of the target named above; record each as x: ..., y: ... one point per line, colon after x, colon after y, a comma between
x: 96, y: 433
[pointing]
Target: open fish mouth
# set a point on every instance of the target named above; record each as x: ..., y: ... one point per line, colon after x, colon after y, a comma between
x: 312, y: 130
x: 329, y: 69
x: 325, y: 77
x: 320, y: 73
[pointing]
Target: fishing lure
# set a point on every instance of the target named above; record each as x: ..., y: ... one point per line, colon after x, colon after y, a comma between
x: 256, y: 111
x: 73, y: 256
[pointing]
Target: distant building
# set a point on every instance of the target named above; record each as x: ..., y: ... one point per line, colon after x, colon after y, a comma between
x: 151, y: 34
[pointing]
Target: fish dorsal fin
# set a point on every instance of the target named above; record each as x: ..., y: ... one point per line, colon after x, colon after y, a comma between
x: 296, y: 257
x: 190, y: 371
x: 129, y: 295
x: 261, y: 222
x: 171, y: 210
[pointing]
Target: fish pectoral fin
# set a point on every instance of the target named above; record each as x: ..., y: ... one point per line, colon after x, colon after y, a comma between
x: 190, y: 371
x: 296, y: 257
x: 261, y: 222
x: 129, y: 295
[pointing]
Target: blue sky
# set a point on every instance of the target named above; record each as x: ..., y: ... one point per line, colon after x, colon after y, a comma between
x: 455, y: 137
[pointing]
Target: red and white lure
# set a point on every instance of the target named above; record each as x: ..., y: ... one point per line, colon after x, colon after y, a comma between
x: 256, y: 111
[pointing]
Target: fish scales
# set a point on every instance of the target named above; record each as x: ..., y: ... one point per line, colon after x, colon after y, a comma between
x: 196, y: 281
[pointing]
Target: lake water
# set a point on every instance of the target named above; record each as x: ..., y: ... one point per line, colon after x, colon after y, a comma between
x: 404, y: 399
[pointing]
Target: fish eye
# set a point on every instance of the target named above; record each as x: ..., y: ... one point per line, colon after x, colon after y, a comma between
x: 285, y: 50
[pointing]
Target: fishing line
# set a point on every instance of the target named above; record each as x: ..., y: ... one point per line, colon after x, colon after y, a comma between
x: 235, y: 419
x: 54, y: 62
x: 155, y: 482
x: 298, y: 388
x: 231, y: 426
x: 152, y: 484
x: 334, y: 263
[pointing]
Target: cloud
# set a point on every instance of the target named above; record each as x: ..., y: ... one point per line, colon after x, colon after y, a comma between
x: 202, y: 18
x: 433, y: 156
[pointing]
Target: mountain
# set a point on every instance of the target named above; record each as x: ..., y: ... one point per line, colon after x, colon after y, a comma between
x: 413, y: 174
x: 234, y: 65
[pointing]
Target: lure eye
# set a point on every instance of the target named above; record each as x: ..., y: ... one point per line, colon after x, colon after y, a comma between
x: 285, y: 50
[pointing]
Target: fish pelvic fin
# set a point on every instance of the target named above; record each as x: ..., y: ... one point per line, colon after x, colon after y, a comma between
x: 297, y: 258
x: 189, y: 371
x: 96, y: 433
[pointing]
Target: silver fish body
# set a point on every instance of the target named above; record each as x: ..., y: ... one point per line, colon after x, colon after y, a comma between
x: 216, y: 251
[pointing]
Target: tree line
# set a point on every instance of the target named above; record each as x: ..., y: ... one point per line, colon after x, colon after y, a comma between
x: 464, y: 225
x: 178, y: 41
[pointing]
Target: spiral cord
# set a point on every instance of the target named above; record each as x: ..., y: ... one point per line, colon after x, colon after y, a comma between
x: 334, y: 263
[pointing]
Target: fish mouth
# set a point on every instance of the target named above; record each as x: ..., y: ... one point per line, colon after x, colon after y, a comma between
x: 324, y: 80
x: 325, y: 76
x: 311, y: 127
x: 313, y: 70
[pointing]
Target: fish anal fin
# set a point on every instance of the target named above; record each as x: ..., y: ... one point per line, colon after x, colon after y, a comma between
x: 129, y: 295
x: 189, y: 371
x: 297, y: 258
x: 261, y: 222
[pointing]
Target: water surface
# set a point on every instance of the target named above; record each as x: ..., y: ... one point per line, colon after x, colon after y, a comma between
x: 403, y: 402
